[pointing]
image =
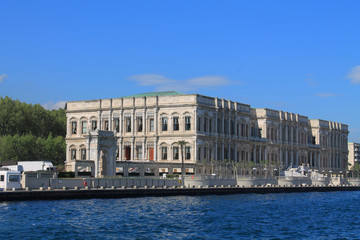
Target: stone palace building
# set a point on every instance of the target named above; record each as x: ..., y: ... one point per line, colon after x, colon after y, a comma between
x: 140, y: 134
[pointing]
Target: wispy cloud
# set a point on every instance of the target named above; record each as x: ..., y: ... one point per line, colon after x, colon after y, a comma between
x: 51, y: 105
x: 2, y: 77
x: 162, y: 83
x: 354, y: 75
x: 326, y: 95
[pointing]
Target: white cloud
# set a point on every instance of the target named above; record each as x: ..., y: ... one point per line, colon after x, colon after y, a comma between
x: 209, y: 81
x: 326, y: 95
x: 51, y: 105
x: 354, y: 75
x: 162, y: 83
x: 151, y: 79
x: 2, y: 77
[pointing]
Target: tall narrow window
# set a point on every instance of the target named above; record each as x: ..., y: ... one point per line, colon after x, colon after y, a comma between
x: 139, y: 121
x: 151, y: 125
x: 176, y: 153
x: 116, y: 124
x: 73, y: 154
x: 139, y: 152
x: 128, y: 124
x: 210, y: 125
x: 164, y: 153
x: 106, y: 125
x: 232, y: 127
x: 164, y: 121
x: 83, y: 154
x: 199, y: 124
x: 176, y: 123
x: 205, y: 124
x: 74, y: 127
x: 187, y: 153
x: 83, y: 127
x: 187, y: 123
x: 93, y: 125
x: 219, y: 126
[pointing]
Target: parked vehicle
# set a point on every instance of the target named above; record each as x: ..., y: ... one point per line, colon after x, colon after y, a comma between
x: 10, y: 179
x: 36, y: 166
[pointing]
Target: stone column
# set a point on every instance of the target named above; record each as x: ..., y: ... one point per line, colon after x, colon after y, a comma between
x: 254, y: 153
x: 266, y: 160
x: 156, y: 122
x: 155, y: 151
x: 99, y: 121
x: 132, y: 122
x: 143, y: 150
x: 121, y: 121
x: 222, y: 151
x: 235, y: 153
x: 132, y: 150
x: 216, y: 151
x: 144, y: 122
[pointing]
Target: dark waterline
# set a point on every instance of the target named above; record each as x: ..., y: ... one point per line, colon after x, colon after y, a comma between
x: 331, y: 215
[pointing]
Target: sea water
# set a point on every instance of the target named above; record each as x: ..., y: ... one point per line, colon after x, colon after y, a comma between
x: 330, y: 215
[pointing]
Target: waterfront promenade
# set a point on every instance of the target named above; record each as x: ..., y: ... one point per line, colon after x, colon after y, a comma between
x: 89, y: 193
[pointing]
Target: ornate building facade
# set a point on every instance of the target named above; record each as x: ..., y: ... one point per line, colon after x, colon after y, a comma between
x: 147, y: 128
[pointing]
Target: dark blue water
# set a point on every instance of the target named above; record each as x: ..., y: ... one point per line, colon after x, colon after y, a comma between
x: 333, y: 215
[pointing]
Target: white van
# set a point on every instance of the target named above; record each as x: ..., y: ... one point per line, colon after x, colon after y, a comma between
x: 10, y: 179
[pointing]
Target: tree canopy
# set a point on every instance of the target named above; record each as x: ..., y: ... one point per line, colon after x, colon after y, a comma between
x: 30, y: 132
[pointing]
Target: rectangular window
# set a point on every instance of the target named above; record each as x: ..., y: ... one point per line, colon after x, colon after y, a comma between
x: 219, y: 126
x: 73, y: 154
x: 116, y: 124
x: 139, y: 121
x: 106, y: 125
x: 83, y: 127
x: 83, y: 154
x: 2, y: 178
x: 205, y: 124
x: 93, y: 125
x: 199, y: 124
x: 176, y: 124
x: 164, y: 123
x: 151, y: 125
x: 210, y: 124
x: 187, y: 123
x: 176, y: 153
x: 73, y: 127
x: 164, y: 153
x: 139, y: 152
x: 187, y: 153
x: 128, y: 124
x: 14, y: 178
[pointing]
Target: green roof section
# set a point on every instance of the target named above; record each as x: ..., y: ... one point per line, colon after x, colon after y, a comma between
x: 152, y: 94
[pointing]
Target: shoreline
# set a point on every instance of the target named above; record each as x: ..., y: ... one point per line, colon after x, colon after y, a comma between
x: 85, y: 193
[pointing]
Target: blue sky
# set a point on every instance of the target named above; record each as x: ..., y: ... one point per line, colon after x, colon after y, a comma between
x: 296, y: 56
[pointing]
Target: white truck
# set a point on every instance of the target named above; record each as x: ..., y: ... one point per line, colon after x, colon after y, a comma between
x: 36, y: 166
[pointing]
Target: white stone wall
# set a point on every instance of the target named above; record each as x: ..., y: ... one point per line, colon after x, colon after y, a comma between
x: 221, y: 130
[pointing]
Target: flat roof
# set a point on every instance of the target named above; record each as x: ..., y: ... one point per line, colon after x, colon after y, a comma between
x: 151, y: 94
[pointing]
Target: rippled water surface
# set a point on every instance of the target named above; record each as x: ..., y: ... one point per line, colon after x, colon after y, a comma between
x: 333, y: 215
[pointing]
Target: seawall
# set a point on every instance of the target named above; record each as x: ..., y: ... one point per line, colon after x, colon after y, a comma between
x: 83, y: 193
